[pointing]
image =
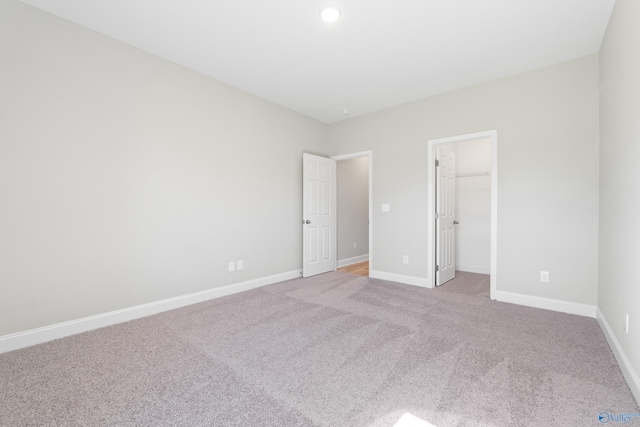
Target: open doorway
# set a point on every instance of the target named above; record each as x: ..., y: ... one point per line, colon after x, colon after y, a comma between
x: 472, y: 249
x: 353, y: 195
x: 472, y: 201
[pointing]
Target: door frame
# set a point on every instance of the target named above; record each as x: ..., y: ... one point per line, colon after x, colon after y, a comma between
x: 431, y: 203
x: 369, y: 154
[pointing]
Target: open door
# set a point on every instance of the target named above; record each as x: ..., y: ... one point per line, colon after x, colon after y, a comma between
x: 318, y: 215
x: 445, y: 216
x: 433, y: 187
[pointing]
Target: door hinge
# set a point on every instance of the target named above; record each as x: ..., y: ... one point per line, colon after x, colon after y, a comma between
x: 437, y: 268
x: 437, y: 163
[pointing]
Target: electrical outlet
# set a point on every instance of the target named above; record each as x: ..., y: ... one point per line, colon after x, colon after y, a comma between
x: 405, y: 259
x: 626, y: 323
x: 232, y: 266
x: 240, y: 264
x: 354, y: 245
x: 544, y: 277
x: 386, y: 207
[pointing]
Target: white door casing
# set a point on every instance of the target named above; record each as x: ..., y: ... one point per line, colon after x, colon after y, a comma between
x: 445, y: 215
x: 318, y: 215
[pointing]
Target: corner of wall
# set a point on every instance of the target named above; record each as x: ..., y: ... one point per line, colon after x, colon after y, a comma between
x: 625, y: 365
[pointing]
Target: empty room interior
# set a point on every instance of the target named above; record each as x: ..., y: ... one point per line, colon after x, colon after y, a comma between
x: 235, y: 213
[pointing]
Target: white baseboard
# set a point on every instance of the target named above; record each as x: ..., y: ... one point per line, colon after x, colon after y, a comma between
x: 60, y: 330
x: 625, y: 365
x: 548, y: 304
x: 352, y: 260
x: 400, y: 278
x: 473, y: 269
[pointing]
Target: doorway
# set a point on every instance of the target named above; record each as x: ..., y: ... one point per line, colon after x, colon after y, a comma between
x: 479, y: 173
x: 354, y: 225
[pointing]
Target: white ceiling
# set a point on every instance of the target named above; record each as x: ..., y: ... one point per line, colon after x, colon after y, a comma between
x: 377, y: 55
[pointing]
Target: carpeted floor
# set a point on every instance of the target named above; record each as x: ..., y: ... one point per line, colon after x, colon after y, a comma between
x: 332, y: 350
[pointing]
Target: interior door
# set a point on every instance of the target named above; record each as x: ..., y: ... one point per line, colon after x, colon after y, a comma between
x: 445, y: 216
x: 318, y: 215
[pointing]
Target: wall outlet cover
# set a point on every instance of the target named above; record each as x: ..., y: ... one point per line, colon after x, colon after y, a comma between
x: 626, y: 323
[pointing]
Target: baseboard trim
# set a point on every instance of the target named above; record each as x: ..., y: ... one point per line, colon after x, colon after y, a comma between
x: 473, y: 269
x: 353, y: 260
x: 61, y: 330
x: 625, y: 365
x: 400, y: 278
x: 547, y: 304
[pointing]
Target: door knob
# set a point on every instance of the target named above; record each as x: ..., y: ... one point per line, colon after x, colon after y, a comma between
x: 456, y: 222
x: 306, y: 222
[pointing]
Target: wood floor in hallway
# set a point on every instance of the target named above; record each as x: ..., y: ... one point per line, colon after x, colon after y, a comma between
x: 360, y: 268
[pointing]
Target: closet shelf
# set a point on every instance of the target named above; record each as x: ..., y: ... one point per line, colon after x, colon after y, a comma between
x: 469, y: 174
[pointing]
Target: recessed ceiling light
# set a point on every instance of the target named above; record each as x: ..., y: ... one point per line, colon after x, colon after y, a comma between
x: 330, y: 14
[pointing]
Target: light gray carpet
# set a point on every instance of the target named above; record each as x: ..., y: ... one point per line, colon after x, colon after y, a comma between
x: 332, y: 350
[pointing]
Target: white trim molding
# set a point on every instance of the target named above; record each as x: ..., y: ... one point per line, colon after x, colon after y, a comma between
x: 473, y: 269
x: 353, y: 260
x: 72, y: 327
x: 625, y: 365
x: 548, y: 304
x: 400, y: 278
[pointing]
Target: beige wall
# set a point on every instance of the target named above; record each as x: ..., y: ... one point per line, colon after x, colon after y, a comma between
x: 619, y: 286
x: 126, y: 179
x: 547, y: 123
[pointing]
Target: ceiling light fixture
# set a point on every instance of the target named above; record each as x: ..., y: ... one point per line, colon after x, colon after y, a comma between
x: 345, y: 111
x: 330, y: 14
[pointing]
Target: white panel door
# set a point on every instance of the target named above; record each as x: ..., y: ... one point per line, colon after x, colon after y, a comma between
x: 445, y: 216
x: 318, y: 215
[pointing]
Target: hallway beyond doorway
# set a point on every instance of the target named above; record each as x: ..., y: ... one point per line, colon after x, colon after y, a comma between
x: 360, y: 268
